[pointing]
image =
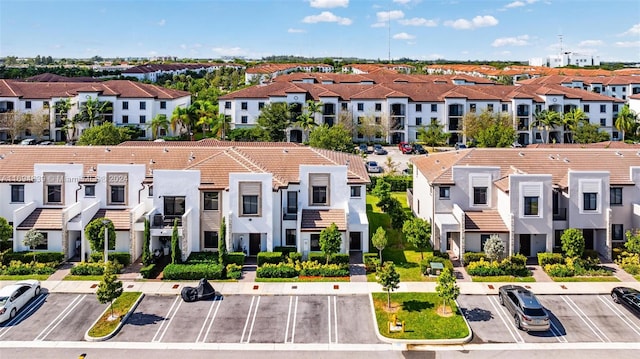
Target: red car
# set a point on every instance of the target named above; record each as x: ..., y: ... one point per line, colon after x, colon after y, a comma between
x: 405, y: 148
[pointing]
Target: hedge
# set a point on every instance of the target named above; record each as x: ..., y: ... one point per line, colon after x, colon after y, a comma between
x: 202, y: 257
x: 514, y: 266
x: 149, y: 271
x: 269, y: 257
x: 398, y: 183
x: 280, y: 270
x: 88, y: 269
x: 549, y: 258
x: 315, y: 269
x: 336, y: 258
x: 235, y: 257
x: 234, y: 271
x: 469, y: 257
x: 295, y: 256
x: 371, y: 261
x: 21, y: 268
x: 27, y: 257
x: 123, y: 258
x: 285, y: 249
x: 192, y: 271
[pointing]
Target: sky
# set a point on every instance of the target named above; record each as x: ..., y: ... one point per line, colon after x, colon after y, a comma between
x: 461, y: 30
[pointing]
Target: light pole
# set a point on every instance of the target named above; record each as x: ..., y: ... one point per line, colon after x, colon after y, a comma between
x: 106, y: 240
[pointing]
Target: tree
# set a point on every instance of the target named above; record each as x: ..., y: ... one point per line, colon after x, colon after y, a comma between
x: 158, y: 122
x: 330, y: 241
x: 571, y: 120
x: 417, y: 231
x: 382, y: 190
x: 380, y: 240
x: 392, y: 167
x: 572, y: 243
x: 397, y: 213
x: 146, y: 251
x: 6, y: 232
x: 222, y: 243
x: 433, y: 135
x: 494, y: 247
x: 589, y: 133
x: 183, y: 117
x: 335, y: 138
x: 633, y: 241
x: 625, y: 120
x: 447, y: 288
x: 106, y: 134
x: 32, y: 239
x: 175, y: 244
x: 62, y: 109
x: 306, y: 120
x: 94, y: 231
x: 12, y: 123
x: 273, y: 121
x: 546, y: 120
x: 490, y: 129
x: 389, y: 279
x: 109, y: 288
x: 222, y: 126
x: 368, y: 127
x: 205, y: 113
x: 93, y: 110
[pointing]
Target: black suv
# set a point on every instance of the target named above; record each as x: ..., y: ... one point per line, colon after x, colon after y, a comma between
x: 418, y: 149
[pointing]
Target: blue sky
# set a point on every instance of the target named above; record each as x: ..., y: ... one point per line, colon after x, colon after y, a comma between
x: 418, y: 29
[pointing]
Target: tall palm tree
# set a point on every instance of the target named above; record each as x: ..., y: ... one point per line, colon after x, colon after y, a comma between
x: 221, y: 126
x: 306, y: 123
x: 546, y: 120
x: 62, y: 108
x: 625, y: 120
x: 158, y: 122
x: 205, y: 113
x: 571, y: 120
x: 93, y: 110
x: 183, y: 117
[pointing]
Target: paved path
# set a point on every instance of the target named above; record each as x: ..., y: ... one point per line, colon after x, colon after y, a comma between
x: 63, y: 271
x: 358, y: 272
x: 539, y: 274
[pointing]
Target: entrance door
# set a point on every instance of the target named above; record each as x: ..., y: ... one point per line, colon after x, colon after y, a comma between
x: 588, y: 238
x: 254, y: 243
x: 525, y: 245
x: 355, y: 241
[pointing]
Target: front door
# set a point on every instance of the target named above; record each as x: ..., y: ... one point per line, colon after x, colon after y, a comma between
x: 355, y: 241
x: 588, y: 238
x: 254, y: 244
x: 525, y: 245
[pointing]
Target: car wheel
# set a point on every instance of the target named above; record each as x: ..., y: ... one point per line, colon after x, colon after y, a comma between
x: 501, y: 299
x: 615, y: 298
x: 517, y: 320
x: 37, y: 291
x: 12, y: 314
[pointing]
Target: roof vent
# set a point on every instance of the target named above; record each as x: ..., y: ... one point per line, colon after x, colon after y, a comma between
x: 284, y: 150
x: 551, y: 157
x: 638, y: 153
x: 619, y: 154
x: 165, y: 150
x: 2, y: 156
x: 521, y: 154
x: 566, y: 160
x: 107, y: 149
x: 151, y: 161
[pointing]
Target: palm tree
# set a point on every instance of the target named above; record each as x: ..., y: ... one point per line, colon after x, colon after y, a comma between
x: 546, y: 120
x: 93, y: 110
x: 221, y: 125
x: 571, y: 120
x: 625, y: 120
x: 183, y: 117
x: 158, y: 122
x: 306, y: 123
x: 205, y: 112
x: 62, y: 108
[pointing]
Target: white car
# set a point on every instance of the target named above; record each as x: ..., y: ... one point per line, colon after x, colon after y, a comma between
x: 372, y: 167
x: 15, y: 296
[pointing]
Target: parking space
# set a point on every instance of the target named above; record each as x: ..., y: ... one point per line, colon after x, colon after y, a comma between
x: 574, y: 318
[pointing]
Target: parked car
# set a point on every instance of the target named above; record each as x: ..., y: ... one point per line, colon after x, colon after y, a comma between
x: 628, y: 297
x: 373, y: 167
x: 460, y: 146
x: 418, y: 149
x: 405, y: 148
x: 15, y: 296
x: 379, y: 150
x: 528, y: 314
x: 363, y: 148
x: 45, y: 143
x: 28, y: 142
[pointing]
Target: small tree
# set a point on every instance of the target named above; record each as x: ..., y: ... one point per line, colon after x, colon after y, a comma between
x: 146, y: 251
x: 397, y: 213
x: 417, y: 231
x: 392, y: 167
x: 633, y: 241
x: 447, y: 288
x: 222, y: 243
x: 94, y: 231
x: 382, y: 190
x: 32, y: 239
x: 330, y: 241
x: 175, y: 244
x: 572, y: 242
x: 494, y: 247
x: 389, y: 279
x: 6, y: 232
x: 380, y: 240
x: 109, y: 288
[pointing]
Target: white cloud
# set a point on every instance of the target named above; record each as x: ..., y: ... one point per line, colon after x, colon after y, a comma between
x: 379, y: 24
x: 162, y: 22
x: 514, y: 4
x: 588, y: 43
x: 627, y: 44
x: 295, y: 31
x: 403, y: 36
x: 521, y: 40
x: 384, y: 16
x: 326, y: 16
x: 403, y: 2
x: 229, y: 51
x: 634, y: 30
x: 327, y: 4
x: 476, y: 22
x: 419, y: 21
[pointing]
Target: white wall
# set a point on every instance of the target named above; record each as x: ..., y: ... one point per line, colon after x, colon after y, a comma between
x: 241, y: 224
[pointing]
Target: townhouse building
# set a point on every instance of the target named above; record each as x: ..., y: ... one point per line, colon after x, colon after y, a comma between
x: 129, y: 104
x: 269, y: 71
x: 619, y: 86
x: 270, y: 195
x: 151, y: 72
x: 400, y: 105
x: 528, y: 197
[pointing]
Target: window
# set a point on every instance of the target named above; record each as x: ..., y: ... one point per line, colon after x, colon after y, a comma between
x: 143, y: 119
x: 244, y: 119
x: 244, y: 105
x: 117, y: 194
x: 603, y: 108
x: 210, y: 240
x: 505, y: 107
x: 260, y: 105
x: 319, y: 189
x: 615, y: 107
x: 290, y: 237
x: 227, y: 105
x: 89, y: 190
x: 613, y: 88
x: 418, y: 121
x: 315, y: 242
x: 590, y: 201
x: 434, y: 107
x: 125, y: 105
x: 292, y: 202
x: 418, y: 107
x: 614, y: 134
x: 53, y: 188
x: 150, y: 193
x: 125, y: 119
x: 378, y: 107
x: 617, y: 232
x: 117, y: 188
x: 616, y: 195
x: 360, y: 106
x: 603, y: 122
x: 45, y: 243
x: 250, y: 193
x: 211, y: 201
x: 163, y: 105
x: 378, y: 120
x: 483, y: 239
x: 490, y: 107
x: 585, y: 108
x: 27, y: 104
x: 174, y: 206
x: 54, y: 194
x: 45, y: 104
x: 479, y: 195
x: 319, y: 195
x: 557, y: 238
x: 472, y: 107
x: 344, y: 106
x: 355, y: 191
x: 143, y: 105
x: 17, y: 193
x: 445, y: 192
x: 531, y: 206
x: 360, y: 120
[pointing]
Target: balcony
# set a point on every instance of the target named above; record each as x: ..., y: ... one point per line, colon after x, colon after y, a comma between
x: 560, y: 214
x: 160, y: 221
x: 397, y: 124
x: 454, y: 125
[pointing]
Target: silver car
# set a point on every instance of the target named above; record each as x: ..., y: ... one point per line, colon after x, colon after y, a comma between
x: 15, y: 296
x: 528, y: 314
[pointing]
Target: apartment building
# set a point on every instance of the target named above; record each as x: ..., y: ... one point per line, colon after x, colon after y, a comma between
x: 621, y: 86
x: 268, y: 71
x: 151, y: 72
x: 528, y: 197
x: 270, y: 194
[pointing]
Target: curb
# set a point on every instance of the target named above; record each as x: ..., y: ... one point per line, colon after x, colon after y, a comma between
x: 402, y: 344
x: 89, y: 338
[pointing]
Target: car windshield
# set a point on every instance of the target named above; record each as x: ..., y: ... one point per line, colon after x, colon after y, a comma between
x: 3, y: 300
x: 373, y: 164
x: 534, y: 312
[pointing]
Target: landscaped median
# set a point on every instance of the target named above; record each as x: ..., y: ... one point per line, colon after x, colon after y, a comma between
x: 104, y: 328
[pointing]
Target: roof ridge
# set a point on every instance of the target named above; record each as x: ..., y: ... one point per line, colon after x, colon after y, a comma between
x: 281, y: 181
x: 135, y: 84
x: 317, y: 151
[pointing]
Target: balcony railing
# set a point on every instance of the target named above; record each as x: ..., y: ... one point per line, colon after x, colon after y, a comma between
x: 160, y: 221
x: 397, y: 124
x: 455, y: 126
x: 560, y: 214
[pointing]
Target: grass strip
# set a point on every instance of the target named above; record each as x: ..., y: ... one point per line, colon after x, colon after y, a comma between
x: 121, y: 307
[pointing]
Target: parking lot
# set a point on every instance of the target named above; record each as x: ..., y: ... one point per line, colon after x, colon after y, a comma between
x: 397, y: 157
x: 574, y: 319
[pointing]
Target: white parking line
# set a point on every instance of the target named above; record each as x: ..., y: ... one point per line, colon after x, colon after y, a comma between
x: 590, y: 324
x: 295, y: 316
x: 286, y: 330
x: 253, y: 321
x: 329, y: 317
x: 23, y: 313
x: 556, y: 332
x: 499, y: 310
x: 167, y: 320
x: 217, y: 302
x: 57, y: 320
x: 620, y: 314
x: 335, y: 319
x: 291, y: 320
x: 246, y: 322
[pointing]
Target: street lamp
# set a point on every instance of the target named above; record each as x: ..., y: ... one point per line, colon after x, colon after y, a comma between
x: 106, y: 240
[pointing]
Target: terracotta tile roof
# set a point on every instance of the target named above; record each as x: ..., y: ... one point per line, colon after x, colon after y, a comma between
x: 121, y: 218
x: 484, y: 221
x: 43, y: 218
x: 151, y: 68
x: 314, y: 220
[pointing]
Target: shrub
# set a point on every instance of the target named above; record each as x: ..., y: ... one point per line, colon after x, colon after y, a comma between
x: 616, y: 253
x: 21, y: 268
x: 202, y: 257
x: 470, y: 257
x: 515, y: 266
x: 235, y: 257
x: 149, y: 271
x: 192, y: 271
x: 559, y: 270
x: 591, y: 253
x: 317, y: 257
x: 439, y: 254
x: 398, y: 183
x: 27, y: 257
x: 285, y: 250
x: 269, y: 257
x: 371, y: 261
x: 484, y: 268
x: 339, y: 258
x: 295, y: 256
x: 88, y: 269
x: 316, y: 269
x: 234, y: 271
x: 123, y: 258
x: 280, y: 270
x: 549, y: 258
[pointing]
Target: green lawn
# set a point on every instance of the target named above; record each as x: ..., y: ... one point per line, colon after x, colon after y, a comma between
x: 637, y: 277
x: 39, y: 277
x: 96, y: 278
x: 305, y: 279
x: 502, y: 278
x: 586, y: 279
x: 418, y: 311
x: 121, y: 306
x: 407, y: 265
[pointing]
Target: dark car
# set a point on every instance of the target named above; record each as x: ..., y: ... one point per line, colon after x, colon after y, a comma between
x: 363, y: 148
x: 460, y: 146
x: 418, y: 149
x: 628, y: 297
x: 405, y: 148
x: 379, y: 150
x: 528, y: 314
